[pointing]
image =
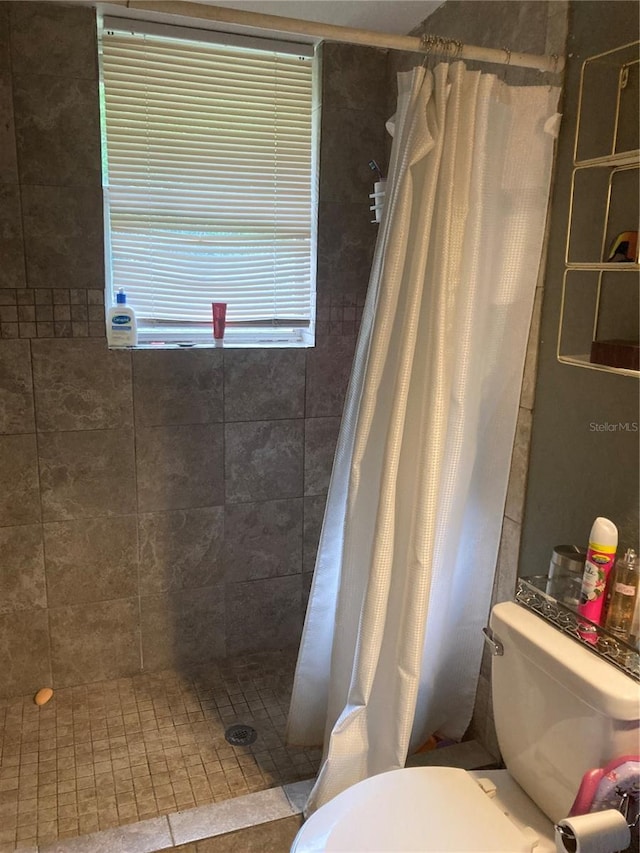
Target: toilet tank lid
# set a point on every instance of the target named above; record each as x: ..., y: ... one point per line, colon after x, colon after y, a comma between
x: 425, y: 809
x: 596, y: 681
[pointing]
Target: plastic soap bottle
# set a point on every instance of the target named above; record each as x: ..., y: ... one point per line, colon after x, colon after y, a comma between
x: 122, y: 330
x: 601, y: 553
x: 623, y: 595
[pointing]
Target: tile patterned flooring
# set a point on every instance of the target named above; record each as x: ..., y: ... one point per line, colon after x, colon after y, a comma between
x: 115, y: 752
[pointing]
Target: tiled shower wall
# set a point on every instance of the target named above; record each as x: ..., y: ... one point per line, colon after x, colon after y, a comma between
x: 157, y: 508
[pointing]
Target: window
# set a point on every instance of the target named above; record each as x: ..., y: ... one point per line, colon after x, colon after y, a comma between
x: 208, y: 170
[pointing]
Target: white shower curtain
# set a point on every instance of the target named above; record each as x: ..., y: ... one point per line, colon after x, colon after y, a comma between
x: 392, y: 640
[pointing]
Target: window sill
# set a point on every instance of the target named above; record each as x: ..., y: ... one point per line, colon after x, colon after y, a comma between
x: 234, y: 339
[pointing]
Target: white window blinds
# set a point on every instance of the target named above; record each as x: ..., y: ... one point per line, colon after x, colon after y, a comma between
x: 208, y: 180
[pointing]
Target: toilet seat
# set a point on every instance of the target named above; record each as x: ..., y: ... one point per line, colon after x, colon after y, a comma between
x: 421, y: 809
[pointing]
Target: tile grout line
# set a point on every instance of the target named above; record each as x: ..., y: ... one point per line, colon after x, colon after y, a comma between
x: 134, y: 423
x: 171, y: 836
x: 47, y: 608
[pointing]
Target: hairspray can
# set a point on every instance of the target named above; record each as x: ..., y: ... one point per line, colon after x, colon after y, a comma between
x: 601, y: 553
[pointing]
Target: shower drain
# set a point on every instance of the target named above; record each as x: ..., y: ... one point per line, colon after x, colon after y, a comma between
x: 240, y: 735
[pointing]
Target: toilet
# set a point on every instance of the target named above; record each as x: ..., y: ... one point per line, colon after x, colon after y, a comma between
x: 560, y: 710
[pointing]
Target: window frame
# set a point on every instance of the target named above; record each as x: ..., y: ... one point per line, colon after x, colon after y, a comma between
x: 239, y: 334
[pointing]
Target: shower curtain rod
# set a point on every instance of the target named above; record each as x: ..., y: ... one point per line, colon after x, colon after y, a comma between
x: 427, y: 44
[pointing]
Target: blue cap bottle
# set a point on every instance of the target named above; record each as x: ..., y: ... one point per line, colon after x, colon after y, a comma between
x: 122, y: 329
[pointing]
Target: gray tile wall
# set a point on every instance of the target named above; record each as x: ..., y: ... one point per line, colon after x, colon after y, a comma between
x: 157, y: 508
x: 52, y: 275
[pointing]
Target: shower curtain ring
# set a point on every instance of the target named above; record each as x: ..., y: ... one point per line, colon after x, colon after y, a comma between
x: 426, y: 42
x: 449, y: 47
x: 507, y: 63
x: 555, y: 58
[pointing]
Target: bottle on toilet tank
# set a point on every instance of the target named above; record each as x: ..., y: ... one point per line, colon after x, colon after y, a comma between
x: 623, y: 595
x: 122, y: 330
x: 601, y: 554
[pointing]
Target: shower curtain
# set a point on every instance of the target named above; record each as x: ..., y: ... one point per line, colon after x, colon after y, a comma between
x: 392, y: 640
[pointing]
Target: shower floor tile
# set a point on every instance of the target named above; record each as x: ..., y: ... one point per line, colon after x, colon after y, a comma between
x: 114, y: 752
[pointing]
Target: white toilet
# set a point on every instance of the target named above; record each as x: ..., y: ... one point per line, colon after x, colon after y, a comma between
x: 559, y: 710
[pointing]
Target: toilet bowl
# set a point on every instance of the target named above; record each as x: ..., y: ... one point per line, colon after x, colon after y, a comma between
x: 478, y: 812
x: 559, y: 711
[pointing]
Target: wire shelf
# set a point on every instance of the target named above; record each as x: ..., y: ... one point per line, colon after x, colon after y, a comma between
x: 610, y: 69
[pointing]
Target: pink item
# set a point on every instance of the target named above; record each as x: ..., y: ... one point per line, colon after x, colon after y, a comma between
x: 219, y: 311
x: 601, y: 555
x: 601, y: 788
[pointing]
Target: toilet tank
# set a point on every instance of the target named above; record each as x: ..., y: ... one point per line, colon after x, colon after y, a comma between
x: 559, y: 709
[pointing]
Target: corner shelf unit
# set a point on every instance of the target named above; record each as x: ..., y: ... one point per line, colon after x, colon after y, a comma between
x: 600, y: 296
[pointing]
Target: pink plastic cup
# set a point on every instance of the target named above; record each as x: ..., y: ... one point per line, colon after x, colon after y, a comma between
x: 219, y: 311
